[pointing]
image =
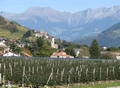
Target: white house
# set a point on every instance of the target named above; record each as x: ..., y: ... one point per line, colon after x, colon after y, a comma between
x: 10, y: 54
x: 77, y: 51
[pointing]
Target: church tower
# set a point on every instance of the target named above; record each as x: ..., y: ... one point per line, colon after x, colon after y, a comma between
x: 53, y: 45
x: 52, y: 42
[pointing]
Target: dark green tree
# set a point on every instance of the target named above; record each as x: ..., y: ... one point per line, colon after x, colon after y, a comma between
x: 45, y: 50
x: 70, y: 51
x: 28, y: 34
x: 14, y: 48
x: 33, y: 48
x: 40, y: 42
x: 94, y: 49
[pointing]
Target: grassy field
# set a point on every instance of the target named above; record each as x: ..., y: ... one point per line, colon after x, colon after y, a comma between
x: 97, y: 85
x: 108, y: 84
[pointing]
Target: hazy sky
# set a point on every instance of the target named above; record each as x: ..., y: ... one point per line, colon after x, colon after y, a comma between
x: 19, y: 6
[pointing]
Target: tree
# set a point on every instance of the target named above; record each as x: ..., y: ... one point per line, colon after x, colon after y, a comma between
x: 33, y: 48
x: 70, y: 51
x: 40, y: 42
x: 107, y: 56
x: 45, y: 50
x: 94, y: 49
x: 84, y: 51
x: 28, y: 34
x: 13, y: 46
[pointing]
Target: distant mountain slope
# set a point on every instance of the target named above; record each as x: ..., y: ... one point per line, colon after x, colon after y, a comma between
x: 11, y: 29
x: 109, y: 37
x: 66, y: 25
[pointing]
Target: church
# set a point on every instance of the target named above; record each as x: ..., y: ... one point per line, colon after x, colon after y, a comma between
x: 53, y: 45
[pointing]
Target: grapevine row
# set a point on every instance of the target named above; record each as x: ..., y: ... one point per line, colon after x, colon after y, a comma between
x: 39, y: 72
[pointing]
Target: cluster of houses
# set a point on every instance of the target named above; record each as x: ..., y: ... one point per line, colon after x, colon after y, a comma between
x: 5, y: 50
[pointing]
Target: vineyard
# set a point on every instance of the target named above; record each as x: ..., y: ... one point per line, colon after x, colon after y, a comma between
x: 40, y: 72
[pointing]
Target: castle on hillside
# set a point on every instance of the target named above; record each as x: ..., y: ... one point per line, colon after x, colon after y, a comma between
x: 41, y: 34
x: 53, y: 45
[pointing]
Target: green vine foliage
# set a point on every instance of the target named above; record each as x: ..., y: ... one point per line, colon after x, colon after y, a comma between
x: 48, y: 71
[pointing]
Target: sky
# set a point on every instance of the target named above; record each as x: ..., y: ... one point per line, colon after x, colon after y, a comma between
x: 19, y: 6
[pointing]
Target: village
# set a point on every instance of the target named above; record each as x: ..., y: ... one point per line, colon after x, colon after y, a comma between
x: 6, y: 51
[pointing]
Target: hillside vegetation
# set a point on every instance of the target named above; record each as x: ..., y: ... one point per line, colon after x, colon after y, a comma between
x: 11, y: 29
x: 110, y: 37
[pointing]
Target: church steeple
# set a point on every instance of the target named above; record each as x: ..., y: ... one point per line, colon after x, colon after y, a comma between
x: 53, y: 45
x: 52, y: 42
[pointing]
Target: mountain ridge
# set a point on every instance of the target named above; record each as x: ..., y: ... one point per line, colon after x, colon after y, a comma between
x: 66, y: 25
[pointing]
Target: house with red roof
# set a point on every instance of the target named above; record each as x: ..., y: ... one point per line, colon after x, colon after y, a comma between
x: 61, y: 54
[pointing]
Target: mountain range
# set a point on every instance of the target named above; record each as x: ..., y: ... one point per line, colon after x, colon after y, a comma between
x: 66, y: 25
